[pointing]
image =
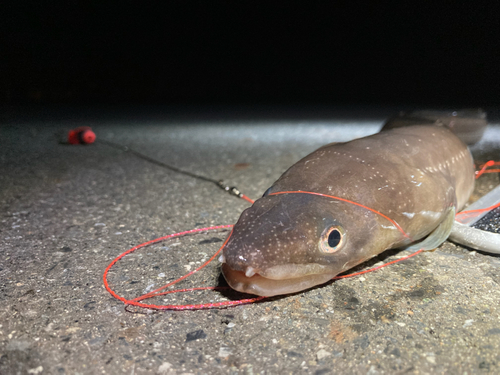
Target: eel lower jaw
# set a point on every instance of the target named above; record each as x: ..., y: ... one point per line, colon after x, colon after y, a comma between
x: 264, y: 286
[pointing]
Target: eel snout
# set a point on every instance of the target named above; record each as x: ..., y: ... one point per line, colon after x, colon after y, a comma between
x: 276, y: 280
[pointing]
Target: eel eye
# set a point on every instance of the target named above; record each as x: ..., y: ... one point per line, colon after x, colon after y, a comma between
x: 332, y: 239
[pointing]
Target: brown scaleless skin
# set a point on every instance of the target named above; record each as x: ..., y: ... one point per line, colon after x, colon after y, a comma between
x: 417, y: 176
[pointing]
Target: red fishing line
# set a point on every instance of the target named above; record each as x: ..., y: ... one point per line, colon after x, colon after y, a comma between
x: 472, y: 213
x: 156, y: 292
x: 484, y: 168
x: 160, y: 292
x: 378, y: 267
x: 243, y: 196
x: 348, y: 201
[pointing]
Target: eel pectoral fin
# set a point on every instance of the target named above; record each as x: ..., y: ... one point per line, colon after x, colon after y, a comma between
x: 438, y: 235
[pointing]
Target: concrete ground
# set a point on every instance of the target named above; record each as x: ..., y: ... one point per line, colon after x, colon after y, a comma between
x: 67, y: 211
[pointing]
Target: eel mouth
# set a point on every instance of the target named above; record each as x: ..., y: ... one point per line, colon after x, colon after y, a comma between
x: 277, y: 280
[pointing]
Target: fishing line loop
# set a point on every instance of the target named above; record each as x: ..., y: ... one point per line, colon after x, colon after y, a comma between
x: 236, y: 192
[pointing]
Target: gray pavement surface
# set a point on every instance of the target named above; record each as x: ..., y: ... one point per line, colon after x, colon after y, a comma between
x: 67, y: 211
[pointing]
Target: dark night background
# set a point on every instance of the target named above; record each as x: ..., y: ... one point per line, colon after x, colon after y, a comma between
x: 249, y: 52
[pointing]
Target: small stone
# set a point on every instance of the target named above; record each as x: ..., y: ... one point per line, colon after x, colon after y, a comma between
x: 195, y: 335
x: 149, y: 288
x: 165, y: 368
x: 468, y: 323
x: 36, y: 370
x: 322, y: 353
x: 224, y: 352
x: 494, y: 331
x: 384, y: 319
